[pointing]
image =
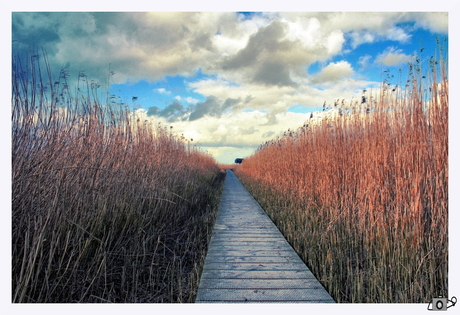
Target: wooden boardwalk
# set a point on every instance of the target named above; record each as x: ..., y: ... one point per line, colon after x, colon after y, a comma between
x: 249, y: 260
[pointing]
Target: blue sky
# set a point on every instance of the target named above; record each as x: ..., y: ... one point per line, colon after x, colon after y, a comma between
x: 231, y: 81
x: 159, y: 93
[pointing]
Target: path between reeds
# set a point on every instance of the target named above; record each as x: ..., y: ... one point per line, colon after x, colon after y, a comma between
x: 249, y: 260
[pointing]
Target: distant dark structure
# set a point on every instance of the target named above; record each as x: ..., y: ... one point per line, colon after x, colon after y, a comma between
x: 238, y: 161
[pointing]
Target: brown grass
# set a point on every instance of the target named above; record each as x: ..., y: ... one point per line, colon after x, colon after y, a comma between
x: 363, y: 196
x: 106, y: 206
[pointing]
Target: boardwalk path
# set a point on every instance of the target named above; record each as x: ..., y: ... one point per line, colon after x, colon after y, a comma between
x: 249, y: 260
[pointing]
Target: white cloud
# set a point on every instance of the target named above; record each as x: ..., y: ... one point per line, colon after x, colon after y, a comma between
x: 191, y: 100
x: 305, y: 30
x: 391, y: 33
x: 333, y: 72
x: 358, y: 38
x: 371, y: 27
x: 393, y: 57
x: 436, y: 22
x: 163, y: 91
x: 233, y: 33
x: 363, y: 61
x: 334, y: 42
x: 398, y: 34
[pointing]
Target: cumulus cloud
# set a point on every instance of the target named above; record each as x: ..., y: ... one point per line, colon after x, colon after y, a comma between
x: 260, y: 58
x: 393, y: 57
x: 393, y: 33
x: 273, y: 73
x: 172, y: 112
x: 163, y: 91
x: 247, y: 131
x: 333, y: 72
x: 436, y: 22
x: 361, y: 37
x: 191, y: 100
x: 209, y: 107
x: 212, y: 107
x: 172, y: 109
x: 370, y: 27
x: 277, y: 54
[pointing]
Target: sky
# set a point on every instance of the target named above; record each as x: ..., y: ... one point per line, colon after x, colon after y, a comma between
x: 226, y: 79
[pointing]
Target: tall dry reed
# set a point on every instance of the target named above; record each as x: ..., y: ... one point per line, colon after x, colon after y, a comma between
x: 106, y: 206
x: 362, y: 195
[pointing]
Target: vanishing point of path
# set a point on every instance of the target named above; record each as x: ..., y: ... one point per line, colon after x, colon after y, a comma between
x: 249, y: 260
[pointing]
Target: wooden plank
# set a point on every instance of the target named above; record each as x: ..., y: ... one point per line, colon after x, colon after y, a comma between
x: 216, y: 265
x: 249, y: 260
x: 248, y: 295
x: 257, y: 274
x: 259, y: 284
x: 252, y: 259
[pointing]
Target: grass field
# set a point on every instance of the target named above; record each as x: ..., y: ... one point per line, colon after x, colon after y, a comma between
x: 362, y: 194
x: 106, y: 206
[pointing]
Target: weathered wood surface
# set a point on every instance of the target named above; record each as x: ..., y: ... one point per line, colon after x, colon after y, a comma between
x: 249, y: 260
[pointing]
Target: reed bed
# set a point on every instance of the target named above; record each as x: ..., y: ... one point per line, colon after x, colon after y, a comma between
x: 106, y: 205
x: 362, y: 195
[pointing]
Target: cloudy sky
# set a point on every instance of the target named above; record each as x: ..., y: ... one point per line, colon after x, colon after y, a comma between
x: 230, y: 80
